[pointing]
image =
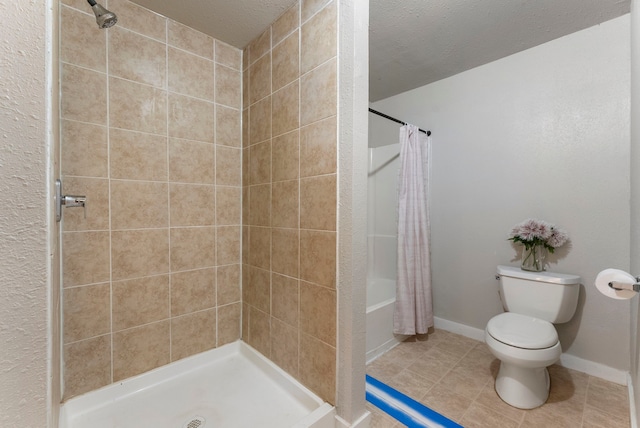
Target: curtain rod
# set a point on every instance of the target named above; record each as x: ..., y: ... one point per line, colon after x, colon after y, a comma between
x: 386, y: 116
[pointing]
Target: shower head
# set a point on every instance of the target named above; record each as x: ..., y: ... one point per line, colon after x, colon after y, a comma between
x: 104, y: 18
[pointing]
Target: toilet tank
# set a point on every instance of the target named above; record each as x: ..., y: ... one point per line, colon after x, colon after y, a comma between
x: 548, y: 296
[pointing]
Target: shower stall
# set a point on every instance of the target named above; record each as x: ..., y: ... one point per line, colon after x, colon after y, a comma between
x: 139, y: 269
x: 382, y: 238
x: 185, y: 239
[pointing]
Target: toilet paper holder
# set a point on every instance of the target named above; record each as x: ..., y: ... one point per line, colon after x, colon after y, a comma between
x: 617, y: 285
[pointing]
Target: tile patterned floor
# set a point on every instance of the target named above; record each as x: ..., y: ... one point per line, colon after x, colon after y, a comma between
x: 454, y: 375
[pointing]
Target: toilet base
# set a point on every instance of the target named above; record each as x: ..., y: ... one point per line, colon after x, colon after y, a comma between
x: 524, y: 388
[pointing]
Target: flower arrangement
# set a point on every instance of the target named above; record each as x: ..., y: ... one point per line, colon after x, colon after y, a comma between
x: 537, y: 236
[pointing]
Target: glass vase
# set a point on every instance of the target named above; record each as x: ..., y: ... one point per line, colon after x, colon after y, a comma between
x: 533, y: 258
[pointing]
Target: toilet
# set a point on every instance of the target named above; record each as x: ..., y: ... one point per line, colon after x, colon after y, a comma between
x: 524, y: 338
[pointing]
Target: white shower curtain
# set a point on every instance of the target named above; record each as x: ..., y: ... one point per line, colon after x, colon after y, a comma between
x: 413, y: 309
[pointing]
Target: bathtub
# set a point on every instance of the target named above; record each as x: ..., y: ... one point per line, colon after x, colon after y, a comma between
x: 230, y: 386
x: 381, y: 298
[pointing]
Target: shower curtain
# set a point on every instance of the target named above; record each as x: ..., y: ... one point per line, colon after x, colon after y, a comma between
x: 413, y: 312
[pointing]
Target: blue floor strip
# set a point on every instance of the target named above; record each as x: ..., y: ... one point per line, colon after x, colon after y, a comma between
x: 403, y: 408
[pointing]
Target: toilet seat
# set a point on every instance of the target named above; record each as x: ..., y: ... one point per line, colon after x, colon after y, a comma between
x: 522, y: 331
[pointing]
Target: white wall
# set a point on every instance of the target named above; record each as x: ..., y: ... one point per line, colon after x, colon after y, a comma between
x: 24, y: 170
x: 543, y: 133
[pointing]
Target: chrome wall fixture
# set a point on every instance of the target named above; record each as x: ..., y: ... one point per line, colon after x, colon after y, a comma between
x: 69, y: 201
x: 618, y: 285
x: 104, y: 18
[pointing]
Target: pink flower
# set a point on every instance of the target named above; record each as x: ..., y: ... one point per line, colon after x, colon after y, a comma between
x: 558, y: 238
x: 537, y: 232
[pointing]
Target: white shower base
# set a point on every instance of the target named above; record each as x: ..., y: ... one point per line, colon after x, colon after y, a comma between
x: 232, y: 386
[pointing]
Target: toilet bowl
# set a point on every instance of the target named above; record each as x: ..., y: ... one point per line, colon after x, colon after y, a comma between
x: 525, y: 347
x: 524, y: 338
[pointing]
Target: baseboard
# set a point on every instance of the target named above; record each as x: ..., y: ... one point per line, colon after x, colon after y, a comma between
x: 385, y: 347
x: 566, y: 360
x: 594, y: 369
x: 461, y: 329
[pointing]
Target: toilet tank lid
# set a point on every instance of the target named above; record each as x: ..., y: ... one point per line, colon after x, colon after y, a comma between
x: 552, y: 277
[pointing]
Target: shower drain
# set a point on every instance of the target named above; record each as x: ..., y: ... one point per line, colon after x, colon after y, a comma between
x: 196, y: 422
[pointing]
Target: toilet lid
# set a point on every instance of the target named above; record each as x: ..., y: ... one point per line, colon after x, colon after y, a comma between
x: 522, y: 331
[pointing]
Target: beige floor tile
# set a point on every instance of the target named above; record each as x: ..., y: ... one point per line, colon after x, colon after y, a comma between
x: 411, y: 384
x: 607, y: 396
x: 402, y: 355
x: 579, y: 379
x: 476, y: 363
x: 480, y: 354
x: 435, y: 335
x: 487, y: 369
x: 488, y: 397
x: 479, y: 416
x: 434, y: 364
x: 457, y: 345
x: 380, y: 419
x: 455, y: 376
x: 418, y: 348
x: 382, y: 371
x: 549, y: 417
x: 566, y: 398
x: 469, y: 386
x: 594, y: 418
x: 446, y: 402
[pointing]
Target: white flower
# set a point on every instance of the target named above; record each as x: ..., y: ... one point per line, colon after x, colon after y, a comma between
x: 558, y: 238
x: 537, y: 232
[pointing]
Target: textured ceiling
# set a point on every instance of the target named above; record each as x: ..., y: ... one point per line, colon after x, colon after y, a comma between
x: 413, y: 42
x: 416, y: 42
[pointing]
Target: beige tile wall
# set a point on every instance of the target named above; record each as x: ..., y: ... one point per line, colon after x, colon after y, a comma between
x: 289, y: 193
x: 151, y: 134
